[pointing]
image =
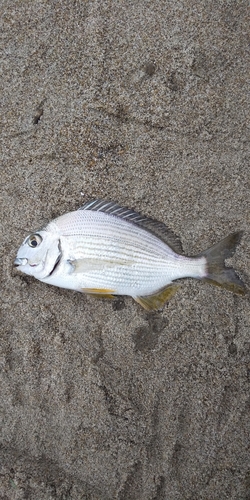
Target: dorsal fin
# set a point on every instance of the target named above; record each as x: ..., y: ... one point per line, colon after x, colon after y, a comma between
x: 151, y: 225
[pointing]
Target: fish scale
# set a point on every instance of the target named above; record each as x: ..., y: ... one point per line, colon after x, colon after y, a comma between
x: 98, y: 226
x: 105, y: 250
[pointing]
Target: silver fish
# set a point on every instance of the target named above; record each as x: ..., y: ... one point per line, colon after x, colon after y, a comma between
x: 105, y: 250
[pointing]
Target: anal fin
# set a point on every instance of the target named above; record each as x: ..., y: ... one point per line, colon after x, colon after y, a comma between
x: 99, y: 293
x: 156, y: 301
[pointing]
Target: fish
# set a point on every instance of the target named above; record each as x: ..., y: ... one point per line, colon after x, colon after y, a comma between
x: 105, y: 250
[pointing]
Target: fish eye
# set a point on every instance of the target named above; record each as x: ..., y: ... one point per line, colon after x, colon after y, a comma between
x: 34, y: 240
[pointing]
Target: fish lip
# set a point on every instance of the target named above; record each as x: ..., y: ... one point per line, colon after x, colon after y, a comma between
x: 20, y: 262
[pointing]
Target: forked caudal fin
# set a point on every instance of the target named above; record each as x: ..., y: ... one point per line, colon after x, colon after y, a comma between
x: 217, y: 273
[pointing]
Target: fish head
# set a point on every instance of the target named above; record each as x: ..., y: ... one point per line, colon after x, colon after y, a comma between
x: 39, y: 253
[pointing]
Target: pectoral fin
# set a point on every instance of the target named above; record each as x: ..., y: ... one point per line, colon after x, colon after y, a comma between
x: 156, y: 301
x: 99, y: 293
x: 87, y: 265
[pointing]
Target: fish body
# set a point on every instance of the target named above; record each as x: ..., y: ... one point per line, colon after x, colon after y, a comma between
x: 106, y: 250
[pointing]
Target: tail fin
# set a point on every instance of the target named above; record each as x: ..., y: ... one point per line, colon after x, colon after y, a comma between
x: 217, y: 273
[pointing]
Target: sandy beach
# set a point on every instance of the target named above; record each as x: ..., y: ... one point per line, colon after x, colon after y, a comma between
x: 147, y: 104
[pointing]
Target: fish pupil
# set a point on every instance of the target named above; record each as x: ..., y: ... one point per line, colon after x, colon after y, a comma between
x: 34, y: 240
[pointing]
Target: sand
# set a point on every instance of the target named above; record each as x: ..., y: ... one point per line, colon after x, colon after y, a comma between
x: 144, y: 103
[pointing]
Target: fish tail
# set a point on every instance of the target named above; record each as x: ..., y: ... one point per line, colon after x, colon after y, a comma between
x: 216, y: 272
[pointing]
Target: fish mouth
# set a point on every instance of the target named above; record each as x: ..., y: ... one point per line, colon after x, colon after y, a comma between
x: 23, y: 262
x: 20, y: 262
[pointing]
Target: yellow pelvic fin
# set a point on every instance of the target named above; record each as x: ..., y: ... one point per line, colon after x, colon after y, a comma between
x: 99, y: 293
x: 156, y: 301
